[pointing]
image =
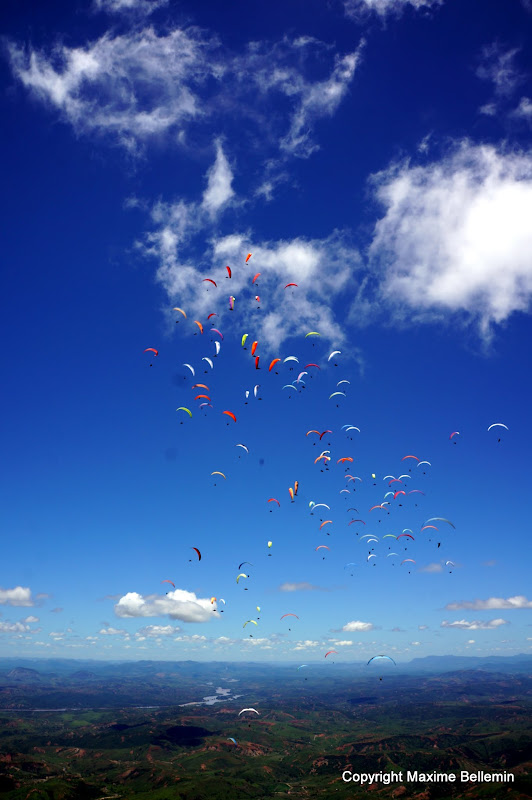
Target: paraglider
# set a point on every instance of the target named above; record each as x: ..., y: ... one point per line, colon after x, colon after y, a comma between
x: 289, y: 615
x: 219, y: 473
x: 255, y: 278
x: 197, y: 551
x: 230, y: 414
x: 248, y: 709
x: 248, y: 257
x: 334, y: 353
x: 182, y: 408
x: 381, y: 656
x: 230, y: 739
x: 200, y: 326
x: 167, y: 581
x: 242, y: 575
x: 191, y: 368
x: 151, y: 350
x: 210, y: 280
x: 441, y: 519
x: 330, y: 652
x: 180, y: 310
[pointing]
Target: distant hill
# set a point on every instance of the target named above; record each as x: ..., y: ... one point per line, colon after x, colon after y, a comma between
x: 83, y: 675
x: 24, y: 674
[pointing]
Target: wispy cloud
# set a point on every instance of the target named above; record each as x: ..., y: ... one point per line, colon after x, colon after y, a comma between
x: 219, y: 179
x: 497, y: 66
x: 464, y: 625
x: 143, y: 85
x: 129, y: 7
x: 518, y: 601
x: 455, y: 236
x: 434, y: 566
x: 178, y: 604
x: 356, y: 8
x: 302, y: 586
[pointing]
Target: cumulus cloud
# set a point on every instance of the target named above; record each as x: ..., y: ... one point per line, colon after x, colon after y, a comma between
x: 19, y: 596
x: 306, y: 645
x: 518, y: 601
x: 354, y: 8
x: 343, y: 643
x: 158, y: 630
x: 302, y: 586
x: 456, y: 236
x: 357, y: 626
x: 112, y: 632
x: 178, y: 604
x: 13, y: 627
x: 464, y: 625
x: 140, y: 85
x: 31, y: 618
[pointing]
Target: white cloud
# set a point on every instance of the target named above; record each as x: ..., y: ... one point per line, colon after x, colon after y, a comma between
x: 178, y: 604
x: 133, y: 86
x: 137, y: 7
x: 353, y: 8
x: 194, y: 638
x: 219, y: 179
x: 343, y: 643
x: 141, y: 85
x: 456, y: 236
x: 320, y: 99
x: 112, y: 632
x: 422, y: 627
x: 13, y: 627
x: 415, y: 644
x: 19, y: 596
x: 518, y: 601
x: 498, y: 66
x: 31, y: 618
x: 306, y: 645
x: 157, y: 630
x: 524, y: 110
x: 432, y: 567
x: 358, y: 626
x: 462, y: 624
x: 471, y: 641
x: 322, y: 268
x: 302, y: 586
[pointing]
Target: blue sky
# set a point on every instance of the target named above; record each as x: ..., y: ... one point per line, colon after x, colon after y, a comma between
x: 377, y: 154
